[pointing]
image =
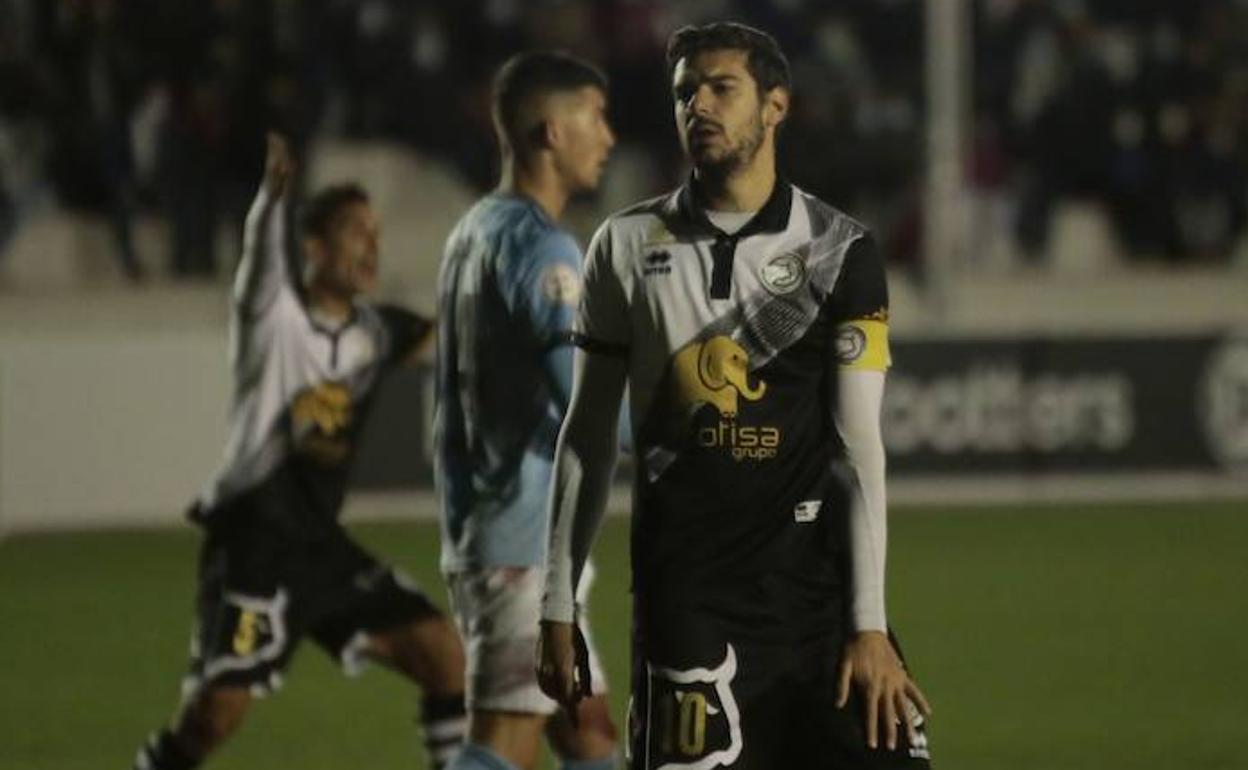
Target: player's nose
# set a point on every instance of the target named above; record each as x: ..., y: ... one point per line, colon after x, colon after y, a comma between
x: 700, y: 102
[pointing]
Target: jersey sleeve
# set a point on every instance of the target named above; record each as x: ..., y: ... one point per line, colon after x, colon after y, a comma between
x: 541, y: 284
x: 859, y: 308
x: 602, y: 323
x: 405, y: 332
x: 264, y: 270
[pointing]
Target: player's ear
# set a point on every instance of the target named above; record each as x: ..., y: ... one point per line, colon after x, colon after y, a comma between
x: 546, y: 135
x: 775, y: 106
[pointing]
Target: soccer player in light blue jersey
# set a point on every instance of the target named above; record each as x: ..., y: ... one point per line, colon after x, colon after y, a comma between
x: 508, y: 289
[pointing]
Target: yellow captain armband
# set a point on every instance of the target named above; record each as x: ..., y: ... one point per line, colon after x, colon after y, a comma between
x: 863, y: 344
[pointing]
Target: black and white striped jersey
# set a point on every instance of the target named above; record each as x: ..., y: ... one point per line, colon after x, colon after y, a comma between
x: 301, y: 385
x: 733, y: 343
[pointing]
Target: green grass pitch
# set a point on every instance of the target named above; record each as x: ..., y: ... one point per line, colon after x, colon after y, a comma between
x: 1047, y: 637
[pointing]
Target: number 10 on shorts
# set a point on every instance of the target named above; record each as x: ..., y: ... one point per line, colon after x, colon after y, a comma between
x: 692, y: 718
x: 682, y: 723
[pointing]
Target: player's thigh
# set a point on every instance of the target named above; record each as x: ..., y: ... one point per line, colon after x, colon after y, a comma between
x: 428, y: 651
x: 708, y: 693
x: 350, y: 600
x: 840, y: 734
x: 686, y: 704
x: 246, y: 628
x: 497, y: 610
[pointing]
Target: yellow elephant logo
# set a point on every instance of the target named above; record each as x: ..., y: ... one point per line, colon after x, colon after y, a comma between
x: 320, y: 417
x: 716, y: 372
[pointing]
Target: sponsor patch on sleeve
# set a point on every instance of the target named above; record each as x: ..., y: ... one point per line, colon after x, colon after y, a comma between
x: 863, y: 344
x: 561, y: 284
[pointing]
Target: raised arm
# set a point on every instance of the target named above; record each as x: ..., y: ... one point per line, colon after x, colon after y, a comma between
x: 263, y: 270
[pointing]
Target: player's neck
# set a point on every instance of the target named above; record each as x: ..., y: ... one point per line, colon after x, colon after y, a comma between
x: 329, y: 303
x: 745, y: 188
x: 538, y: 181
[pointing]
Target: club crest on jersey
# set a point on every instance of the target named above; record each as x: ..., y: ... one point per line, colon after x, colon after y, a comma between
x: 783, y: 273
x: 320, y: 417
x: 692, y: 718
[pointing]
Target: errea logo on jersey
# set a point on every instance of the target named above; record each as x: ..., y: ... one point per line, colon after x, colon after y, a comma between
x: 717, y: 372
x: 657, y: 263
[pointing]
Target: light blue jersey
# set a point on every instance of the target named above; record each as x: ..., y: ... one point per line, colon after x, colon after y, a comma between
x: 508, y: 288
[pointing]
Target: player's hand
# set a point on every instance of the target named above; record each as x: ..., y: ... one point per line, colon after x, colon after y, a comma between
x: 563, y: 664
x: 278, y: 163
x: 889, y: 694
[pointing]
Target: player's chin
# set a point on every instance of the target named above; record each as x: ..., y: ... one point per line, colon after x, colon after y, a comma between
x: 706, y: 155
x: 366, y: 281
x: 590, y: 179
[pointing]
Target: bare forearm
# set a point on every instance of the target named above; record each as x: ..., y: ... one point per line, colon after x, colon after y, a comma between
x: 262, y: 268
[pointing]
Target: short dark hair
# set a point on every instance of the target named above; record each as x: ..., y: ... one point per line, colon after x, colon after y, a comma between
x: 765, y: 61
x: 531, y: 74
x: 324, y: 207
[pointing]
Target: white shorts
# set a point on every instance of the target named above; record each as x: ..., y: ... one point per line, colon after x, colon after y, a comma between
x: 498, y: 610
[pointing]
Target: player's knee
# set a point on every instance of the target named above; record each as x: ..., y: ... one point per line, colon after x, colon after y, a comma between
x: 594, y: 720
x: 428, y: 651
x: 213, y: 716
x: 514, y: 737
x: 477, y: 757
x: 605, y: 762
x: 593, y: 738
x: 439, y: 635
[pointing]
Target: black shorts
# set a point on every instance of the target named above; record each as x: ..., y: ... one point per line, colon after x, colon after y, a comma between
x: 260, y: 593
x: 704, y: 697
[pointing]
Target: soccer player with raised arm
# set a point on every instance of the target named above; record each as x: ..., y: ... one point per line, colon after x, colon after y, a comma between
x: 749, y: 321
x: 508, y: 288
x: 276, y: 565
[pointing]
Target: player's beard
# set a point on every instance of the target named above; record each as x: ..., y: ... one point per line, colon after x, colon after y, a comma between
x: 738, y: 157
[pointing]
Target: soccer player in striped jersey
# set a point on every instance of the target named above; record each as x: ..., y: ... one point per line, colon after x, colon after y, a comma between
x: 508, y: 288
x: 276, y: 565
x: 749, y: 321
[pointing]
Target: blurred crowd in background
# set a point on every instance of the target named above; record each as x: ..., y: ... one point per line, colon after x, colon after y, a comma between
x: 129, y: 107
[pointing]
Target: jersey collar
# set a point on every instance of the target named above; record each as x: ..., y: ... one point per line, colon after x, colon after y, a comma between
x: 773, y: 217
x: 322, y: 325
